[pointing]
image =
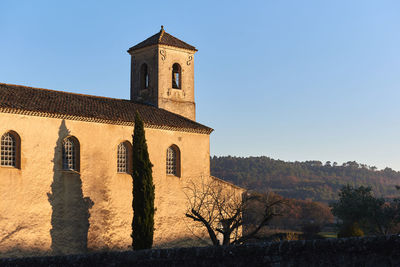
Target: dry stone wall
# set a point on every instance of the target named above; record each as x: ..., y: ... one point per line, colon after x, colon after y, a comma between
x: 366, y: 251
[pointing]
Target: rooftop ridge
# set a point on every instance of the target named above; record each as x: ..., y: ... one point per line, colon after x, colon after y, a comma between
x: 72, y: 93
x: 161, y: 33
x: 21, y: 99
x: 163, y: 38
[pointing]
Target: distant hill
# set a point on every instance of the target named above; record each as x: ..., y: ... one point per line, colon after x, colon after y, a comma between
x: 311, y: 180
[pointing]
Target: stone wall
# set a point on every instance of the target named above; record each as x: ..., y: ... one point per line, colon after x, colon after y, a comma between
x: 179, y: 101
x: 367, y: 251
x: 46, y: 210
x: 159, y: 60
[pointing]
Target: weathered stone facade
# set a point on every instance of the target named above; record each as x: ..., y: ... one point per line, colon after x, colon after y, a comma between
x: 26, y: 210
x: 45, y: 209
x: 159, y: 59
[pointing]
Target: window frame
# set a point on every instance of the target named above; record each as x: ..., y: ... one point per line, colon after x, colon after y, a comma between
x: 16, y: 147
x: 177, y: 161
x: 128, y: 156
x: 144, y: 76
x: 179, y: 71
x: 75, y: 154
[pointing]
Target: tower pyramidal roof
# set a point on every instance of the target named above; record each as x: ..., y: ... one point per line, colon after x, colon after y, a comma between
x: 163, y: 38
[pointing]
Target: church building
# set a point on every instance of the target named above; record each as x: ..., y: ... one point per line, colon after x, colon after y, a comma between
x: 65, y: 174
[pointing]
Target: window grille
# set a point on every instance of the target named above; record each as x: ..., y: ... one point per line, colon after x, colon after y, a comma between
x: 122, y: 158
x: 8, y: 150
x: 69, y: 155
x: 171, y: 161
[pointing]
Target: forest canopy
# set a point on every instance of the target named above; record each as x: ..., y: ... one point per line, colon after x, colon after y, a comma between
x: 309, y: 180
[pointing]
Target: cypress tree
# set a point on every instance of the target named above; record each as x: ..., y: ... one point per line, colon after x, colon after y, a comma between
x: 143, y: 190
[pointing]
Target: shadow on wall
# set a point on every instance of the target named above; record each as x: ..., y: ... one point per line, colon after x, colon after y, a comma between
x: 70, y: 210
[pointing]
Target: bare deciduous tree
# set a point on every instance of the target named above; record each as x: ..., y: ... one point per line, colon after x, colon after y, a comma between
x: 220, y: 208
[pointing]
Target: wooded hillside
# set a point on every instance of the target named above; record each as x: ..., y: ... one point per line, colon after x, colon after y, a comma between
x: 311, y: 180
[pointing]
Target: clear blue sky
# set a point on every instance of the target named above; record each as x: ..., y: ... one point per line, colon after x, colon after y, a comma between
x: 294, y: 80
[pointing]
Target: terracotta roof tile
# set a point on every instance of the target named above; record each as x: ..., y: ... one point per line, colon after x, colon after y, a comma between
x: 37, y: 101
x: 164, y: 38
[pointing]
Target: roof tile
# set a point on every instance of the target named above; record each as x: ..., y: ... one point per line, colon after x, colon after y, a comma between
x: 164, y: 38
x: 44, y: 101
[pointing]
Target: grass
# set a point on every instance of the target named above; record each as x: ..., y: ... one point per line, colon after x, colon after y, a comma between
x: 328, y: 234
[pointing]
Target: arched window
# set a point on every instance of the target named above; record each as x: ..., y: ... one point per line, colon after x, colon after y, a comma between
x: 173, y: 161
x: 144, y: 76
x: 70, y: 154
x: 10, y: 150
x: 176, y: 76
x: 123, y: 157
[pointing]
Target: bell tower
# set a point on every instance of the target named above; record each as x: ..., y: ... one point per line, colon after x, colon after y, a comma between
x: 162, y: 74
